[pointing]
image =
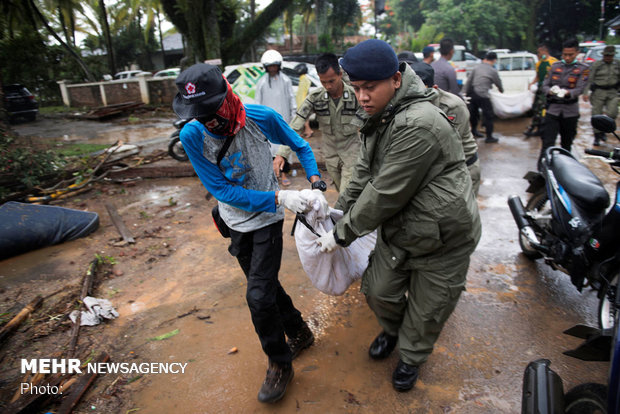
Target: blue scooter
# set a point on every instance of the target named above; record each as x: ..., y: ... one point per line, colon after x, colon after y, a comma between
x: 543, y: 391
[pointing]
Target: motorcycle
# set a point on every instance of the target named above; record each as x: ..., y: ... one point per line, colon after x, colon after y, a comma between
x: 175, y: 146
x: 543, y: 390
x: 565, y: 221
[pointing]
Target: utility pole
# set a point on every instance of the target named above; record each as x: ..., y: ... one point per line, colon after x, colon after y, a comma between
x: 602, y: 20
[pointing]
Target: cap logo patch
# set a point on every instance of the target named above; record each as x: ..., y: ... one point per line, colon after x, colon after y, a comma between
x: 190, y: 88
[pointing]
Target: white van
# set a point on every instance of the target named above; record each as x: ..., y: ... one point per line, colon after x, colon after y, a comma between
x: 516, y: 70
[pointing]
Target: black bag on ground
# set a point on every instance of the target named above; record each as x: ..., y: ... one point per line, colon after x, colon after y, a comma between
x: 25, y: 227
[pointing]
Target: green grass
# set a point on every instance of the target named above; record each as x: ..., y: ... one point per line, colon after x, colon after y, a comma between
x: 77, y: 150
x: 56, y: 109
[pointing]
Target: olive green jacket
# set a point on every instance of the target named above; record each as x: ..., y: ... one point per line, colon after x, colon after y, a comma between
x: 411, y: 182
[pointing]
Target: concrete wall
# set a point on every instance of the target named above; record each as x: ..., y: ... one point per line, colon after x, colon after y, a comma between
x: 145, y: 89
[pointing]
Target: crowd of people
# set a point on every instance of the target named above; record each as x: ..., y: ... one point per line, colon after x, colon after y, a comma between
x: 398, y: 138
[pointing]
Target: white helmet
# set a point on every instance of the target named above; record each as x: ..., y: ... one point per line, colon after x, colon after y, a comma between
x: 271, y: 57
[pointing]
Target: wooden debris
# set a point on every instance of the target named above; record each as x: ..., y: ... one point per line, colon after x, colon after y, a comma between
x: 120, y: 225
x: 104, y: 112
x: 86, y: 288
x: 20, y: 317
x: 80, y: 387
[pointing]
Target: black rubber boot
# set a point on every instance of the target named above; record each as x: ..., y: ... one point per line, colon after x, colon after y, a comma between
x: 382, y: 346
x: 404, y: 376
x: 276, y: 381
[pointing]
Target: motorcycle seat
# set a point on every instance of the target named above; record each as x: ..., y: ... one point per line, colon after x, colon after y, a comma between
x: 579, y: 182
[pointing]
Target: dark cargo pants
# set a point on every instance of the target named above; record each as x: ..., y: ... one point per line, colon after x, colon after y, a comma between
x: 273, y: 314
x: 413, y: 302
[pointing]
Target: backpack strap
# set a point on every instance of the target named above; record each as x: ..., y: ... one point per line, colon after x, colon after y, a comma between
x: 225, y: 147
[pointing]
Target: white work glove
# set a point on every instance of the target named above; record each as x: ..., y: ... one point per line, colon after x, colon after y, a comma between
x: 292, y: 200
x: 315, y: 199
x: 327, y: 242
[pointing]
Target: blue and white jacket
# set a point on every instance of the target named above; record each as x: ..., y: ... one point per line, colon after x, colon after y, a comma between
x: 245, y: 184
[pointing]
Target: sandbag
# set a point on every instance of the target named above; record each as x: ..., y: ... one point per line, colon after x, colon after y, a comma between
x: 25, y: 227
x: 331, y: 273
x: 511, y: 106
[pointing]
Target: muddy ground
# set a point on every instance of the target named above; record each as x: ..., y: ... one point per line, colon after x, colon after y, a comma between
x: 179, y: 276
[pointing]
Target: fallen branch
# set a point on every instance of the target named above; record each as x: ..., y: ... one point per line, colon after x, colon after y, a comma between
x: 20, y: 317
x: 78, y: 390
x: 86, y: 287
x: 119, y: 224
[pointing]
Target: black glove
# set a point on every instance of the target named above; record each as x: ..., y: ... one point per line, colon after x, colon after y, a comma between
x: 319, y: 185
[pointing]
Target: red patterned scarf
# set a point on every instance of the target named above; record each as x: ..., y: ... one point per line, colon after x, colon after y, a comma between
x: 230, y: 117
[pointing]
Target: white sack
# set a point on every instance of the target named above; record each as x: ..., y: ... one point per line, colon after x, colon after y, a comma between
x: 511, y: 106
x: 331, y: 273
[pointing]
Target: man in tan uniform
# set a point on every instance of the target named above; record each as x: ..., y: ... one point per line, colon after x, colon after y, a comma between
x: 603, y: 83
x: 335, y: 106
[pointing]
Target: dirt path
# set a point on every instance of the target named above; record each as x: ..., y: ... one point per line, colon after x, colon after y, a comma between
x: 514, y: 311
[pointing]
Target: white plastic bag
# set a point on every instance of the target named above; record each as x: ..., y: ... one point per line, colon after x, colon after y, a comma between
x: 511, y: 106
x: 331, y: 273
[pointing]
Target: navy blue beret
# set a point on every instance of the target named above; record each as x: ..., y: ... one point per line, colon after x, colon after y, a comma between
x: 372, y: 59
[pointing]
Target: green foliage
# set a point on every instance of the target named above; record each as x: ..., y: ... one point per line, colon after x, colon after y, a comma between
x: 105, y: 259
x: 78, y: 150
x: 426, y: 35
x: 22, y: 164
x: 27, y: 60
x: 498, y: 23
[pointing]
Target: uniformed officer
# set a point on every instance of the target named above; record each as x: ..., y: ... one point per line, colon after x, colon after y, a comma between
x: 335, y: 106
x: 457, y: 112
x: 563, y: 85
x: 445, y: 74
x: 604, y: 83
x: 411, y: 184
x: 545, y: 60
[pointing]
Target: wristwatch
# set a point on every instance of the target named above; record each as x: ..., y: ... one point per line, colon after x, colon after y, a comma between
x: 339, y: 241
x: 319, y: 185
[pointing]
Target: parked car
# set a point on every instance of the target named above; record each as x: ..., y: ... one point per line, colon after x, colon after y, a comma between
x: 167, y: 72
x: 584, y: 47
x: 19, y: 102
x: 243, y: 77
x: 596, y: 53
x: 127, y: 74
x: 516, y: 70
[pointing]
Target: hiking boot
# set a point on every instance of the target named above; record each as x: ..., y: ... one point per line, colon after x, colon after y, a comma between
x: 476, y: 134
x: 530, y: 132
x: 274, y: 386
x: 491, y: 140
x: 404, y: 376
x: 382, y: 346
x: 301, y: 341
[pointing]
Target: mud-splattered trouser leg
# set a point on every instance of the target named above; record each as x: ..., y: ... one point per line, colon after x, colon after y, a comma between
x: 273, y: 314
x: 418, y: 317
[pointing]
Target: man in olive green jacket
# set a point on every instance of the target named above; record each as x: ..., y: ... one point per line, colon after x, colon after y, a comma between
x: 412, y: 185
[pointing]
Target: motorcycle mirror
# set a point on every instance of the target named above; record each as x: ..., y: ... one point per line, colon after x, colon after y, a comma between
x: 603, y: 123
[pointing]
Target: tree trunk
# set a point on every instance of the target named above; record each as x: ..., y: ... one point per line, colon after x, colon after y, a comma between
x: 73, y: 53
x: 108, y: 38
x: 234, y: 49
x: 161, y: 39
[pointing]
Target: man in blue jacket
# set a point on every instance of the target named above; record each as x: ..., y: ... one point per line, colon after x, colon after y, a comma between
x: 250, y: 203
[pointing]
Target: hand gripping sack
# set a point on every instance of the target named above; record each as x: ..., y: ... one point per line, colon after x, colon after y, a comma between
x: 332, y: 273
